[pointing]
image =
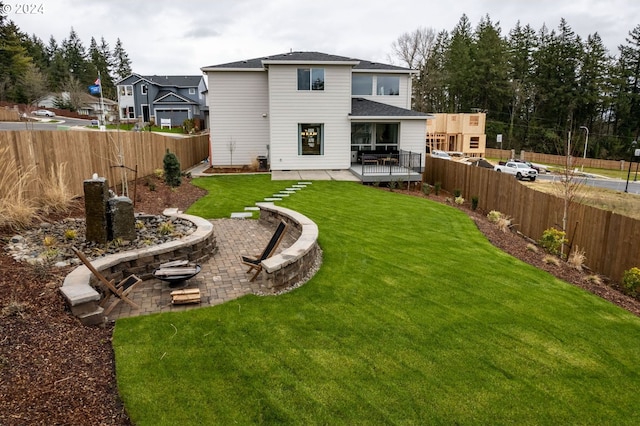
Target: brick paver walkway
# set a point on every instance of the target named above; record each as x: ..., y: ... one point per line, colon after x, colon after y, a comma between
x: 223, y: 277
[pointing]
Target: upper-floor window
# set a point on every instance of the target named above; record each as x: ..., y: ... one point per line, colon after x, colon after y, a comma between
x: 474, y: 120
x: 192, y: 90
x: 361, y: 85
x: 310, y: 78
x: 144, y: 89
x: 388, y: 85
x: 125, y: 90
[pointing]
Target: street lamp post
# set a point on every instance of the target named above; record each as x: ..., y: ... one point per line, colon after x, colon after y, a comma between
x: 633, y: 146
x: 586, y: 143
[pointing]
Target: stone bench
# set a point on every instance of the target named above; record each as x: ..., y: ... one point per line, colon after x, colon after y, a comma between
x: 83, y: 299
x: 294, y: 263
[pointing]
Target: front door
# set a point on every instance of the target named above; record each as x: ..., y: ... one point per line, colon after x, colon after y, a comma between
x: 145, y: 113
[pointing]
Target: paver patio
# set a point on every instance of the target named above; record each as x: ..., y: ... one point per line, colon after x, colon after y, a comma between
x: 223, y: 277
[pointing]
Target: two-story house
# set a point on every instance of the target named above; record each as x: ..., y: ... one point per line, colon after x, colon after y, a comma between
x: 161, y: 99
x: 310, y: 110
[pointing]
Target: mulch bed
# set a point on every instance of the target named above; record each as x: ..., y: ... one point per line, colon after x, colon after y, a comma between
x: 53, y: 370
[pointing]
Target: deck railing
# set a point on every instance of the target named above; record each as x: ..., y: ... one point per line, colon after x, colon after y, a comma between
x: 392, y: 163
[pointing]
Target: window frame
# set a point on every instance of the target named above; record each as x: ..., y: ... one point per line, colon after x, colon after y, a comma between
x: 316, y: 139
x: 310, y: 86
x: 361, y: 77
x: 396, y: 84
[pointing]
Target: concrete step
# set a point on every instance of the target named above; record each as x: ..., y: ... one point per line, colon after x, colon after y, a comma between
x: 241, y: 215
x: 273, y: 199
x: 305, y: 183
x: 281, y: 195
x: 252, y: 209
x: 95, y: 317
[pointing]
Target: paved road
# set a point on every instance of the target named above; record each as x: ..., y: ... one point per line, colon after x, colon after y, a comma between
x: 44, y: 124
x: 614, y: 184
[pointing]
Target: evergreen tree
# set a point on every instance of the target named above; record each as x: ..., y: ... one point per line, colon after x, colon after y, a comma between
x: 522, y: 43
x: 458, y: 67
x: 14, y: 62
x: 75, y: 56
x: 627, y: 108
x: 121, y: 62
x: 433, y: 76
x: 488, y: 83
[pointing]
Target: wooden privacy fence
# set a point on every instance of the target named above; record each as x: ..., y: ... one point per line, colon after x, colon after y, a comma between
x: 611, y: 242
x: 559, y: 160
x: 88, y: 152
x: 9, y: 114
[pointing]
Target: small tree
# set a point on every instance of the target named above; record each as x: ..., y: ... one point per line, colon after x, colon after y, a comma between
x: 171, y: 169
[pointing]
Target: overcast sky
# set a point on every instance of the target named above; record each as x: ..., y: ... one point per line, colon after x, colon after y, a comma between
x: 169, y: 37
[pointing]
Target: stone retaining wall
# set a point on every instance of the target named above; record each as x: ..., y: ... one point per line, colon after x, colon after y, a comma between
x: 83, y: 298
x: 294, y: 263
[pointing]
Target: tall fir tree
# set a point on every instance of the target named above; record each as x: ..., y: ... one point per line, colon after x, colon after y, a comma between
x: 121, y: 61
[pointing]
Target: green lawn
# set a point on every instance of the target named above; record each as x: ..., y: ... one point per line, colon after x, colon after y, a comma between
x: 413, y: 318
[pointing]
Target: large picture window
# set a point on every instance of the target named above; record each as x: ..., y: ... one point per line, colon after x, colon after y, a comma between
x: 388, y: 85
x: 361, y: 85
x: 310, y: 78
x: 310, y: 139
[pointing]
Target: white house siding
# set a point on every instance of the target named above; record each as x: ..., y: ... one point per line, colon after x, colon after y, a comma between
x: 412, y: 136
x: 403, y: 100
x: 290, y: 107
x: 237, y: 103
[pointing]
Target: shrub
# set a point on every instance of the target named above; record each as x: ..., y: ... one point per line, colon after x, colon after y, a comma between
x: 165, y: 228
x: 593, y: 279
x: 393, y: 185
x: 17, y: 210
x: 70, y: 234
x: 631, y: 281
x: 437, y: 187
x: 474, y: 202
x: 504, y: 223
x: 159, y: 173
x: 576, y: 259
x: 55, y: 195
x: 532, y: 248
x: 552, y: 240
x: 172, y: 175
x: 459, y: 200
x: 49, y: 241
x: 551, y: 260
x: 426, y: 188
x: 457, y: 193
x: 494, y: 216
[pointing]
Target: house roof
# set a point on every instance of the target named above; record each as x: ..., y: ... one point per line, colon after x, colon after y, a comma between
x: 167, y: 96
x: 361, y: 107
x: 302, y: 57
x: 164, y: 80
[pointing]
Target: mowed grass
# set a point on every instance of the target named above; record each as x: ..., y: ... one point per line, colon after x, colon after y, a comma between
x: 413, y: 318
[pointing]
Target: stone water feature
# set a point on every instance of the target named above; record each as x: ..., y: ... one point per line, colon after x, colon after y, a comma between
x: 107, y: 218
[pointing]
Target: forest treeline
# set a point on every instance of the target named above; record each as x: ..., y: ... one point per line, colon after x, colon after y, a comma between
x: 30, y: 69
x: 538, y: 87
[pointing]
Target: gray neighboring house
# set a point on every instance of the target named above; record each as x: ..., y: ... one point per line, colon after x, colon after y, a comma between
x: 162, y: 98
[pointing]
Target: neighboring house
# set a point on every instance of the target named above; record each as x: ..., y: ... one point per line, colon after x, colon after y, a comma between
x: 310, y: 110
x: 458, y: 133
x: 161, y: 98
x: 88, y: 105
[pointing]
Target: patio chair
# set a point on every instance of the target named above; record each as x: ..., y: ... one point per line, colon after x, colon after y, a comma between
x: 120, y: 291
x: 269, y: 250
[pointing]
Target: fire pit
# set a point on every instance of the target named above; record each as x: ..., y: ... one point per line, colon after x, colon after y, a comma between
x: 176, y: 273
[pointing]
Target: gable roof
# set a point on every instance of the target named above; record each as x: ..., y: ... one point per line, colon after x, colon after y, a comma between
x: 167, y: 96
x: 365, y: 108
x: 164, y: 80
x: 301, y: 57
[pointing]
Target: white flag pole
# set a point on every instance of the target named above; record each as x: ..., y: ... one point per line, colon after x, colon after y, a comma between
x: 101, y: 100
